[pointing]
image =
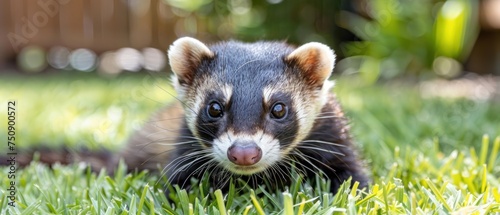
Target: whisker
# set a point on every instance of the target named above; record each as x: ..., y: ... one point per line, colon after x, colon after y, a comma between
x: 292, y: 162
x: 204, y: 165
x: 321, y: 149
x: 181, y: 166
x: 324, y: 142
x: 308, y: 159
x: 179, y: 160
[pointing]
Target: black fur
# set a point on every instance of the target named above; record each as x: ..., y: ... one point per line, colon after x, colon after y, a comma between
x: 337, y: 167
x: 249, y: 68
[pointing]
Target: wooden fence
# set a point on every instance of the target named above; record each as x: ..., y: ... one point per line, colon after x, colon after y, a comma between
x: 99, y: 25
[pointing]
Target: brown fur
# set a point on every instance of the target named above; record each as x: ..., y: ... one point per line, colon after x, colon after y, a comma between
x: 149, y: 147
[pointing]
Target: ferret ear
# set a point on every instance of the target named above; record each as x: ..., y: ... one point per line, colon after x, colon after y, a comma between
x: 315, y: 61
x: 185, y: 56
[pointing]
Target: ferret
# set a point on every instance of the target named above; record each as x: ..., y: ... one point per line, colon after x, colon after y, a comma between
x: 250, y: 111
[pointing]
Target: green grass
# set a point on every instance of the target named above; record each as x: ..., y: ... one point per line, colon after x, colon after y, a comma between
x: 427, y: 156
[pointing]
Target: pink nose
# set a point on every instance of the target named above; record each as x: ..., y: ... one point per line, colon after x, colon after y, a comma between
x: 244, y: 155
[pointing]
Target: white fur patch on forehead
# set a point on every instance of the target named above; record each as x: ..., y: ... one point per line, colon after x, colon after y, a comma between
x: 269, y: 145
x: 315, y: 60
x: 227, y: 90
x: 267, y: 92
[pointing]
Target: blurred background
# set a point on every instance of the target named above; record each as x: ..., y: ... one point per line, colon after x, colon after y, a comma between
x: 377, y: 39
x: 411, y: 74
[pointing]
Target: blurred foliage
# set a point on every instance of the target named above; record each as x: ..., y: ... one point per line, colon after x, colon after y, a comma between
x: 398, y: 37
x: 415, y: 38
x: 294, y: 21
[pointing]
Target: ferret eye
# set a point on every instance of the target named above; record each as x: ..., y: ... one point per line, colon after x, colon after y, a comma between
x: 214, y: 110
x: 278, y: 110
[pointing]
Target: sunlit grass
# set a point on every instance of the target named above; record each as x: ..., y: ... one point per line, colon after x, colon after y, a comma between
x: 81, y: 109
x: 427, y: 156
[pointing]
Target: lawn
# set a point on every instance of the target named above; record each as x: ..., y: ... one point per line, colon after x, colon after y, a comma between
x: 426, y: 155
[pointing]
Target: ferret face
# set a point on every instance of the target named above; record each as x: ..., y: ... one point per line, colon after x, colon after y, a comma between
x: 250, y: 104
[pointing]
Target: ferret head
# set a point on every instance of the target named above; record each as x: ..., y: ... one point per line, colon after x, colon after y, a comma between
x: 250, y: 104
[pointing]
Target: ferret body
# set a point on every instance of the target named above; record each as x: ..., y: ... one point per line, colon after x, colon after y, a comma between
x: 247, y: 110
